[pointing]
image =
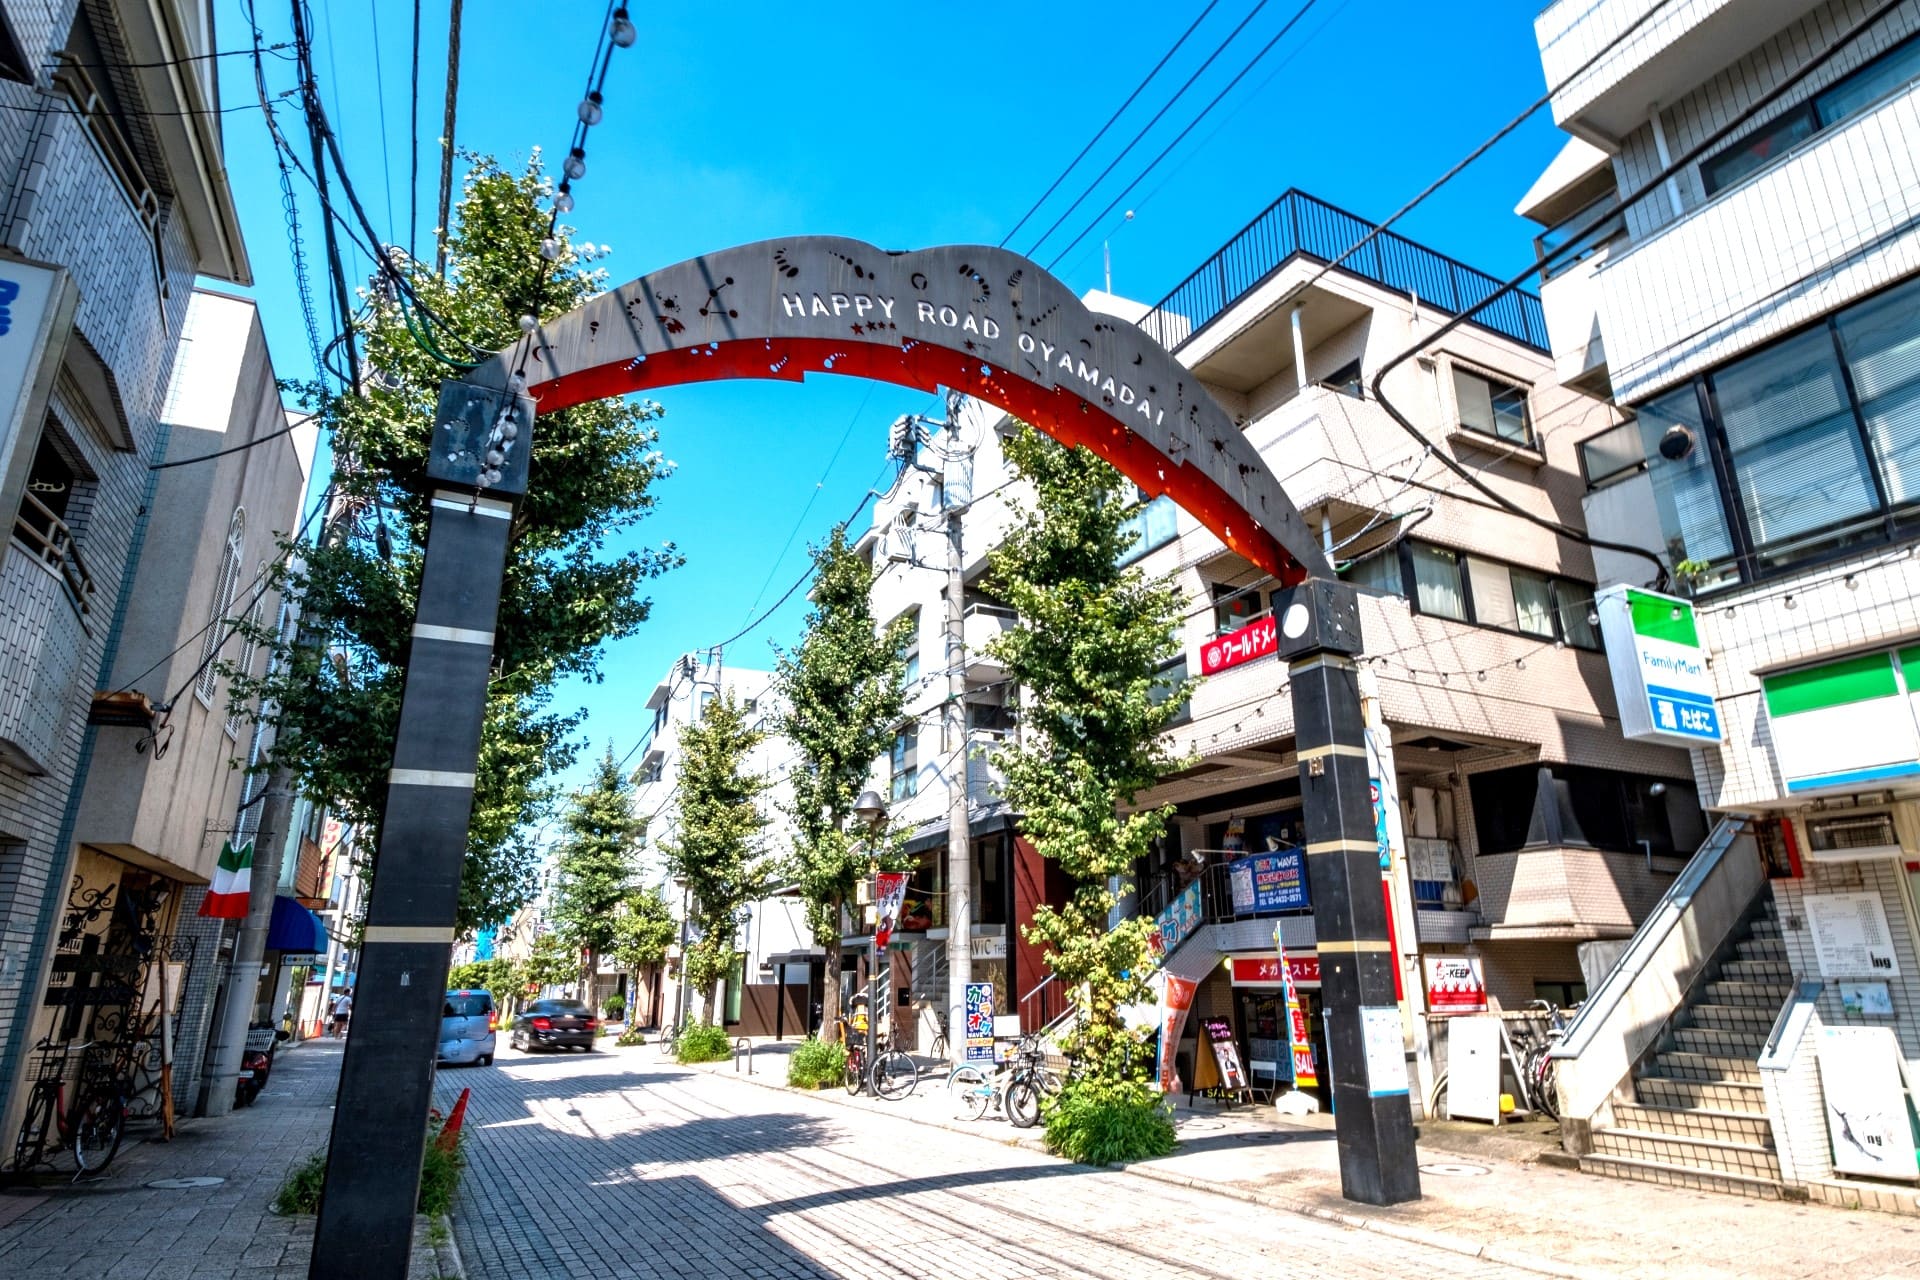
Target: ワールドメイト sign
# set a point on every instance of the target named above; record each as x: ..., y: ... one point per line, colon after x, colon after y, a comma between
x: 1243, y: 644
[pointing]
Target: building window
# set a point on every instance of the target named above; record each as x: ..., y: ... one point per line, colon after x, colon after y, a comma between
x: 1154, y: 525
x: 906, y: 764
x: 249, y: 649
x: 1235, y: 607
x: 1492, y: 408
x: 1378, y: 570
x: 1437, y: 581
x: 1893, y: 70
x: 1579, y: 624
x: 13, y: 63
x: 1880, y: 341
x: 1685, y: 490
x: 911, y: 652
x: 1166, y: 682
x: 1346, y: 380
x: 225, y: 586
x: 1532, y: 602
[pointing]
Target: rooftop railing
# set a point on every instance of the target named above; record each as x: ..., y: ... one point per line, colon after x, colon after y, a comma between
x: 1298, y: 225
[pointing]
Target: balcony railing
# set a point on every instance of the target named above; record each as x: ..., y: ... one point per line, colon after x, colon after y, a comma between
x: 1298, y: 225
x: 45, y: 536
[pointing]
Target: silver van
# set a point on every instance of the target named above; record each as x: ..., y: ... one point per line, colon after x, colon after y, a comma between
x: 466, y: 1028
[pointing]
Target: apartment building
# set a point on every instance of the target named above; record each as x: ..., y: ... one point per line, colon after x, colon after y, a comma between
x: 776, y: 987
x: 1518, y: 829
x: 115, y: 201
x: 1730, y: 252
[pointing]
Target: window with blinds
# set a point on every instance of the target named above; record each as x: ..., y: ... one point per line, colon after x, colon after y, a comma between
x: 1491, y: 407
x: 224, y: 588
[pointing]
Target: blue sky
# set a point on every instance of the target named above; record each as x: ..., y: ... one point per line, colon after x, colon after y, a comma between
x: 907, y: 125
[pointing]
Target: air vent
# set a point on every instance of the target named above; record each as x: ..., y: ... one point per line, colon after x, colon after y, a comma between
x: 1852, y: 837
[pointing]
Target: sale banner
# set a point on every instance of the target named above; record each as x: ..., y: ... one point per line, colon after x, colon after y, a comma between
x: 1176, y: 997
x: 1305, y: 1075
x: 889, y: 893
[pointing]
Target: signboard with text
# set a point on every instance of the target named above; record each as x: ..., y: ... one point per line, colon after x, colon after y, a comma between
x: 1850, y: 935
x: 1177, y: 923
x: 1226, y: 1053
x: 1660, y: 675
x: 1264, y: 971
x: 1243, y: 644
x: 1275, y: 881
x: 979, y: 1022
x: 1455, y: 985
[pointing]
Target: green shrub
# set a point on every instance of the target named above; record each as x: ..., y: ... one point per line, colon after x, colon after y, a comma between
x: 439, y: 1175
x: 300, y: 1193
x: 631, y: 1037
x: 703, y: 1042
x: 1109, y: 1124
x: 817, y: 1064
x: 616, y: 1008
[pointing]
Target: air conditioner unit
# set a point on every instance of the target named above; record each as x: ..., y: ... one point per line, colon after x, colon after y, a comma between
x: 1852, y: 837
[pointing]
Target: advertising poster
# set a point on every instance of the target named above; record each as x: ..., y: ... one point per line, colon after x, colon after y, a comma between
x: 889, y: 892
x: 1177, y: 923
x: 1176, y: 997
x: 1226, y: 1054
x: 1386, y: 1050
x: 1380, y: 836
x: 979, y: 1022
x: 1305, y: 1074
x: 1869, y: 1119
x: 1455, y: 985
x: 1850, y: 935
x: 1274, y: 881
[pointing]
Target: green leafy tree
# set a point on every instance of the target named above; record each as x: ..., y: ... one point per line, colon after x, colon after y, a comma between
x: 716, y: 850
x: 597, y: 861
x: 845, y: 693
x: 335, y: 697
x: 643, y: 929
x: 500, y: 976
x: 1092, y: 638
x: 552, y: 963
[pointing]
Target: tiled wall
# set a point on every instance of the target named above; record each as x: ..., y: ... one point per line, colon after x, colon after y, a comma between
x: 1882, y: 876
x: 1796, y: 1109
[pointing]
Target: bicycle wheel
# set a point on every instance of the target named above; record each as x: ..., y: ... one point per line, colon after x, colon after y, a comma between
x: 1023, y: 1103
x: 856, y: 1073
x: 1544, y: 1091
x: 940, y: 1048
x: 961, y: 1081
x: 1437, y: 1100
x: 980, y: 1099
x: 32, y: 1142
x: 96, y: 1133
x: 894, y: 1076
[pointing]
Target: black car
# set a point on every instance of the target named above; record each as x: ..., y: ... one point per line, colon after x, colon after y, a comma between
x: 554, y: 1024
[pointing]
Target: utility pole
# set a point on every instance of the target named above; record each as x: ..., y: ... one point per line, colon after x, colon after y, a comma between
x: 221, y: 1074
x: 959, y: 835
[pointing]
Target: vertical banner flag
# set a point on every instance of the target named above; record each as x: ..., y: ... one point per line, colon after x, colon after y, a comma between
x: 979, y: 1022
x: 232, y: 883
x: 1305, y: 1076
x: 889, y: 894
x: 1176, y: 997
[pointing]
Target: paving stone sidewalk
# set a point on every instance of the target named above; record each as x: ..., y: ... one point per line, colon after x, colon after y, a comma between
x: 119, y: 1226
x: 1484, y: 1195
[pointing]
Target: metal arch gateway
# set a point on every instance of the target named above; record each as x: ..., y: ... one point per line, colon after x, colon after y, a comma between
x: 981, y: 320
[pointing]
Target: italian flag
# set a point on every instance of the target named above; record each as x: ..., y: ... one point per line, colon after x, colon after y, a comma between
x: 232, y: 882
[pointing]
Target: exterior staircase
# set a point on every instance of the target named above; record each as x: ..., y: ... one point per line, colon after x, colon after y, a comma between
x: 1698, y: 1117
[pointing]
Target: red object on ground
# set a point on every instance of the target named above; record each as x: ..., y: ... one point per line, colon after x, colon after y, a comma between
x: 450, y: 1131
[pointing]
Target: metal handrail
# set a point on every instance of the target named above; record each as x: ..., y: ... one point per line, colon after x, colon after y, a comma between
x: 1299, y: 225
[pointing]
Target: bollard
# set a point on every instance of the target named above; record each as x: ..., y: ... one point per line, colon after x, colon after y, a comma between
x: 740, y: 1046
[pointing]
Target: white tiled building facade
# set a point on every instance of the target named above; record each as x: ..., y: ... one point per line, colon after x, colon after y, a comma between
x: 1756, y: 312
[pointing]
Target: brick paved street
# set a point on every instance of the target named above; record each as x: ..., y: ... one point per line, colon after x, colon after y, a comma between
x: 120, y: 1227
x: 621, y: 1164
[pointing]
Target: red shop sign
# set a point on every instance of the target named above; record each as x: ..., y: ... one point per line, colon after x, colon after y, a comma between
x: 1264, y: 971
x: 1244, y: 644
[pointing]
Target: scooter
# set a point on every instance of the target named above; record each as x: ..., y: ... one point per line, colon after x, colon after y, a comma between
x: 256, y: 1061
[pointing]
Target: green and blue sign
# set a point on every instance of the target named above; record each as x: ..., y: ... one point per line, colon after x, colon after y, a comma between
x: 1660, y: 675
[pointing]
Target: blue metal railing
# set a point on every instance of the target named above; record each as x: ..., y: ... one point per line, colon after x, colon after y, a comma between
x: 1297, y: 224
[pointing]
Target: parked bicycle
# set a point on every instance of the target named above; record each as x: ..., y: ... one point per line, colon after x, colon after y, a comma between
x: 1016, y: 1088
x: 92, y: 1123
x: 891, y: 1075
x: 1537, y: 1062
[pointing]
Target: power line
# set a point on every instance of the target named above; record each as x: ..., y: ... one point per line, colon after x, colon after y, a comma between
x: 1265, y: 49
x: 289, y: 429
x: 1144, y: 129
x: 1118, y: 112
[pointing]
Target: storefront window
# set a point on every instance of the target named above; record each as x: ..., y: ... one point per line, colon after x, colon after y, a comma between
x: 1881, y: 340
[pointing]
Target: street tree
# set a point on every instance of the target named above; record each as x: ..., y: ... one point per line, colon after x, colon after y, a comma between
x: 643, y: 930
x: 716, y: 850
x: 596, y: 862
x: 844, y: 688
x: 552, y: 964
x: 1087, y: 656
x: 334, y: 695
x: 500, y: 976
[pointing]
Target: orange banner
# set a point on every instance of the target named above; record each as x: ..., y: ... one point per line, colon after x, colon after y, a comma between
x: 1176, y: 997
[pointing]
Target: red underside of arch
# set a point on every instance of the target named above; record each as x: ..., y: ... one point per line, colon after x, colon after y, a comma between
x: 1062, y: 415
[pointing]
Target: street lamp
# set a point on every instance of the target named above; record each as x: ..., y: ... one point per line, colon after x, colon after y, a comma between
x: 872, y: 810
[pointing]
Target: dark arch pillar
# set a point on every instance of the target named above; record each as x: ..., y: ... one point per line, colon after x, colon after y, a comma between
x: 981, y: 320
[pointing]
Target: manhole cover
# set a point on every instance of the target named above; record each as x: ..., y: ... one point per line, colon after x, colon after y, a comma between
x: 1454, y: 1170
x: 183, y: 1184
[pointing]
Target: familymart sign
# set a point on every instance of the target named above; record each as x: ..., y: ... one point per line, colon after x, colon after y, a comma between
x: 1660, y: 676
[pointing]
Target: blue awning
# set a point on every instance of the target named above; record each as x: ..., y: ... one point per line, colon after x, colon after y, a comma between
x: 295, y: 929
